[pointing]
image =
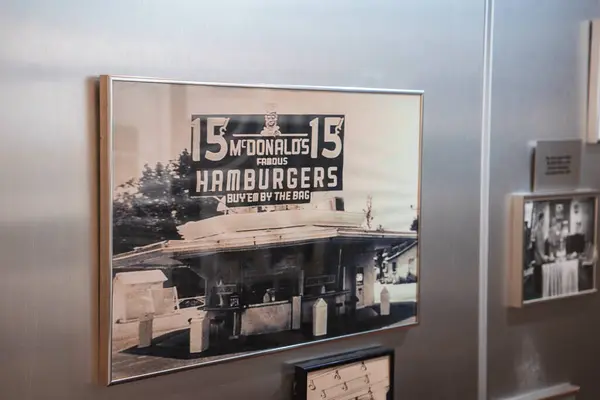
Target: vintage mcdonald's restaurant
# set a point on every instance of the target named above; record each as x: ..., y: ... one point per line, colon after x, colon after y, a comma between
x: 259, y: 273
x: 280, y: 265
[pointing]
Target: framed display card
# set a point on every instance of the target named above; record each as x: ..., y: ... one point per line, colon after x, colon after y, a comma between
x: 364, y: 375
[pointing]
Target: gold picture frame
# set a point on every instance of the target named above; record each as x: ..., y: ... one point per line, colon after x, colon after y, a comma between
x: 139, y: 106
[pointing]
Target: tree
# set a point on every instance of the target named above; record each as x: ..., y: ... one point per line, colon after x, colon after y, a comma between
x: 415, y: 225
x: 129, y: 230
x: 148, y: 209
x: 369, y: 211
x: 188, y: 208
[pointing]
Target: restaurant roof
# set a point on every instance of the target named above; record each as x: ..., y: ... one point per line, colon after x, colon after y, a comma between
x: 255, y: 221
x: 401, y: 249
x: 240, y: 232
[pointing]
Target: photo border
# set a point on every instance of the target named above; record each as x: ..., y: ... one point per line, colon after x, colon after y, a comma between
x: 515, y: 241
x: 105, y: 205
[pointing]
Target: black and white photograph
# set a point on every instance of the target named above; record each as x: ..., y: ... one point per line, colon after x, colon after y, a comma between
x: 559, y: 246
x: 243, y: 220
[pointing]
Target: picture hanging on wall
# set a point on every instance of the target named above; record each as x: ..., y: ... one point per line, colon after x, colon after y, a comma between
x: 364, y: 375
x: 239, y: 220
x: 593, y: 103
x: 553, y: 246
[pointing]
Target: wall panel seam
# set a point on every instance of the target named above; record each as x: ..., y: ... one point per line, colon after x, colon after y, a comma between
x: 488, y: 27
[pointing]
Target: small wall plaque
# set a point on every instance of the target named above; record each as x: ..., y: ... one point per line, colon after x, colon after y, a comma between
x: 557, y: 165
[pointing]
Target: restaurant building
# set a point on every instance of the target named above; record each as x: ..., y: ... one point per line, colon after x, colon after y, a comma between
x: 261, y: 272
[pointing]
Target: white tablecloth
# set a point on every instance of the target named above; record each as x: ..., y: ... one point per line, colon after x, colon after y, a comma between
x: 560, y: 278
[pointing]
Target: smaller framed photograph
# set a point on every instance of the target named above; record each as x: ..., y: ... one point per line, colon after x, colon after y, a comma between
x: 363, y: 375
x: 553, y: 246
x: 593, y: 111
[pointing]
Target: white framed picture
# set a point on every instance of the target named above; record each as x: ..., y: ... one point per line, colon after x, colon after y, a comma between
x: 553, y: 246
x: 593, y: 103
x: 239, y: 220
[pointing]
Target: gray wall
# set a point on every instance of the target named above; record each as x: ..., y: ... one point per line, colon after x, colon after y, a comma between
x: 50, y: 54
x: 538, y: 93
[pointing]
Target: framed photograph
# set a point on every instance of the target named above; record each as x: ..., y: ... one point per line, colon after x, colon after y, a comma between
x: 239, y: 220
x: 593, y: 111
x: 553, y: 246
x: 363, y: 375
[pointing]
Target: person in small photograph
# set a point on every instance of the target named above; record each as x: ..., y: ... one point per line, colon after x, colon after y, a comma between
x: 554, y: 237
x: 539, y: 239
x: 577, y: 242
x: 583, y: 248
x: 539, y: 257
